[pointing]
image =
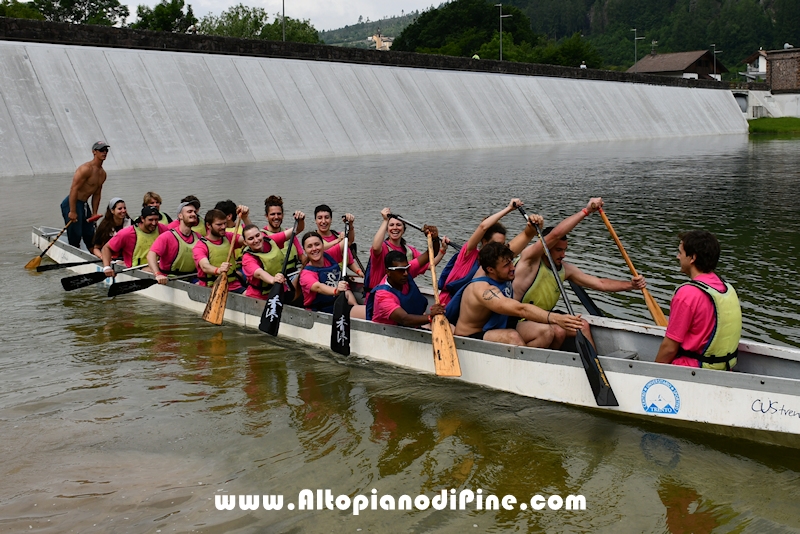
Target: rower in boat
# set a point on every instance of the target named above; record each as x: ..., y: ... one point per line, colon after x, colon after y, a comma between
x: 273, y: 211
x: 154, y: 199
x: 321, y: 278
x: 262, y: 259
x: 211, y: 253
x: 323, y: 215
x: 705, y: 320
x: 134, y: 242
x: 115, y: 219
x: 87, y: 182
x: 486, y: 307
x: 397, y: 300
x: 463, y: 267
x: 535, y: 282
x: 232, y: 211
x: 200, y: 227
x: 171, y: 253
x: 389, y: 237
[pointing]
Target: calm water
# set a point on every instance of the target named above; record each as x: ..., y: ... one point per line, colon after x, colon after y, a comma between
x: 130, y: 416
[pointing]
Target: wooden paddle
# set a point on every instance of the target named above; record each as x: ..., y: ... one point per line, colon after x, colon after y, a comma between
x: 35, y: 262
x: 652, y: 305
x: 603, y: 394
x: 122, y: 288
x: 78, y: 281
x: 340, y: 323
x: 417, y: 227
x: 445, y: 355
x: 215, y: 307
x: 54, y: 266
x: 271, y: 317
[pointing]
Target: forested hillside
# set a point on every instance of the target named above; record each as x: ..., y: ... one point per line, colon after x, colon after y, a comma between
x: 356, y: 35
x: 600, y: 31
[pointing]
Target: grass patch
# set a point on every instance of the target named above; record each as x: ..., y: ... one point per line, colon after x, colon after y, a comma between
x: 781, y: 125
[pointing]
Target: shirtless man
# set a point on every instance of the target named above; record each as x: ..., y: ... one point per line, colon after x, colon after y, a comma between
x: 535, y: 283
x: 485, y: 310
x: 87, y: 182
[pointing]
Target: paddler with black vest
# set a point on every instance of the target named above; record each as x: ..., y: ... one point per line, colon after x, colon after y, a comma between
x: 396, y: 299
x: 389, y: 237
x: 535, y: 282
x: 211, y: 253
x: 262, y: 259
x: 485, y: 309
x: 273, y: 211
x: 134, y: 242
x: 705, y: 320
x: 320, y: 279
x: 172, y: 251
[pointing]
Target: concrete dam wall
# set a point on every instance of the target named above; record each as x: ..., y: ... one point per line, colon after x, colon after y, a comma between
x: 163, y: 109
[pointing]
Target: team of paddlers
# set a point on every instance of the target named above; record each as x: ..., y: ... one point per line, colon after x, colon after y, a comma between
x: 490, y: 290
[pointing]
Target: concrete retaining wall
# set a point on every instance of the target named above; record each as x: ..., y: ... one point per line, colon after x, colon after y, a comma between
x: 161, y: 109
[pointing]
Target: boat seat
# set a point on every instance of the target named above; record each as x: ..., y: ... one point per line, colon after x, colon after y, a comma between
x: 623, y: 355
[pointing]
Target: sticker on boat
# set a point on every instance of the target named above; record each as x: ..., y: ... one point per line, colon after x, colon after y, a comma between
x: 660, y: 396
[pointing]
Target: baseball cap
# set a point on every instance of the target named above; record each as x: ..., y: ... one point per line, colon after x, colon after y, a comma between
x: 113, y: 202
x: 194, y: 203
x: 150, y: 210
x: 100, y: 145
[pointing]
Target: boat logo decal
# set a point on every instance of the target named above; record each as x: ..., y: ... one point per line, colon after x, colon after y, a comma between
x: 660, y: 396
x: 341, y: 330
x: 272, y: 310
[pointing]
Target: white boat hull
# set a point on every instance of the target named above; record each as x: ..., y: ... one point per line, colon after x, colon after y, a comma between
x: 762, y: 403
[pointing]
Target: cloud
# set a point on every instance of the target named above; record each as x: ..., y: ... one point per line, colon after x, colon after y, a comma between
x: 324, y: 15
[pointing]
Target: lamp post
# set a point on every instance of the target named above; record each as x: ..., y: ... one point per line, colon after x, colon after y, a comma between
x: 635, y: 49
x: 501, y: 28
x: 714, y: 55
x: 283, y: 19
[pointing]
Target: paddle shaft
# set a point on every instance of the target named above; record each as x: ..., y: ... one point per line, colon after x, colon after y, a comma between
x: 55, y: 266
x: 652, y: 305
x: 345, y: 250
x: 354, y: 250
x: 54, y: 240
x: 123, y: 288
x: 417, y: 227
x: 433, y: 270
x: 445, y: 354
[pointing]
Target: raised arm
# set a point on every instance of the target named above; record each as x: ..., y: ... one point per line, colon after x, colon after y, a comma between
x: 566, y: 226
x: 522, y: 239
x: 377, y: 241
x: 477, y: 235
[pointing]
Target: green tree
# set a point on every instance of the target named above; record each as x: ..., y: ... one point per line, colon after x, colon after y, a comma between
x: 237, y: 21
x: 102, y: 12
x: 297, y: 31
x: 167, y: 16
x: 787, y: 22
x: 19, y: 10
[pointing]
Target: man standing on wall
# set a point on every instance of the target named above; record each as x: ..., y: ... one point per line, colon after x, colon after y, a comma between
x: 87, y: 182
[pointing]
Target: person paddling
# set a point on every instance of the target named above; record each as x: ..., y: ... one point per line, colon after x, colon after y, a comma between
x: 463, y: 267
x: 397, y: 300
x: 211, y: 253
x: 87, y: 182
x: 262, y: 259
x: 389, y: 237
x: 134, y: 242
x: 320, y: 278
x: 115, y: 219
x: 705, y: 320
x: 323, y: 216
x: 535, y: 283
x: 485, y: 309
x: 171, y: 252
x: 273, y: 211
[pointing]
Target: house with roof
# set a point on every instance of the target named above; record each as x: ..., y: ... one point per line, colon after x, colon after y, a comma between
x: 756, y: 66
x: 699, y: 64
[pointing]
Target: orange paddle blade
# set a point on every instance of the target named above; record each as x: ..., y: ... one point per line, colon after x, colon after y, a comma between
x: 34, y: 263
x: 445, y: 356
x: 215, y: 307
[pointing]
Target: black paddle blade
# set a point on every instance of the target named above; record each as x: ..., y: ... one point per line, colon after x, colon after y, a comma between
x: 271, y: 318
x: 603, y: 394
x: 340, y: 327
x: 82, y: 280
x: 54, y: 266
x: 586, y: 300
x: 129, y: 287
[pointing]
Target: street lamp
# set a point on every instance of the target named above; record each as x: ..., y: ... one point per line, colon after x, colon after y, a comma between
x: 635, y: 49
x: 283, y: 19
x: 501, y: 28
x: 714, y: 46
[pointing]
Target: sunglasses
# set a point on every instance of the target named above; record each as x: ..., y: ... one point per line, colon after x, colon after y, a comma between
x: 399, y: 268
x: 102, y: 150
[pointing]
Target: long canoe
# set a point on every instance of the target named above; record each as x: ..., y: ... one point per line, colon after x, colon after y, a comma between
x: 760, y: 402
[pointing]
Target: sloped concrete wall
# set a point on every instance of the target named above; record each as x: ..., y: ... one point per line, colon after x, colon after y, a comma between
x: 163, y: 109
